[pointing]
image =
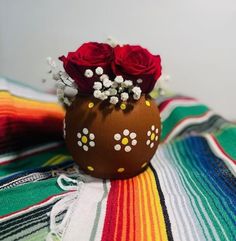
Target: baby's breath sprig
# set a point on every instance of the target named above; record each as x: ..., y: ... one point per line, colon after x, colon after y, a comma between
x: 66, y: 88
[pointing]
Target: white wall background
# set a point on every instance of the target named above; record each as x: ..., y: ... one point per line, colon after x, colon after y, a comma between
x: 196, y: 39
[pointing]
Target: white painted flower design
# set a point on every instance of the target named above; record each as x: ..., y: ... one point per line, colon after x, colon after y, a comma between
x: 86, y: 139
x: 126, y: 140
x: 152, y: 136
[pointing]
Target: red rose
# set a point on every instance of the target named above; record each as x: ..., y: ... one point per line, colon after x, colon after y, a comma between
x: 135, y: 62
x: 89, y: 56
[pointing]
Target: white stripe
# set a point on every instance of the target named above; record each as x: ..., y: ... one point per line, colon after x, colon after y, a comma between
x: 216, y: 150
x: 26, y: 92
x: 84, y: 212
x: 21, y: 154
x: 177, y: 201
x: 187, y: 122
x: 177, y: 103
x: 101, y: 221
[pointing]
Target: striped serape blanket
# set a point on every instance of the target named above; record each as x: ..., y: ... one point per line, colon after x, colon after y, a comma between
x: 187, y: 193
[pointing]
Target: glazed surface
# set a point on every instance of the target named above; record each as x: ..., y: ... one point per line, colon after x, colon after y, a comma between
x: 112, y: 142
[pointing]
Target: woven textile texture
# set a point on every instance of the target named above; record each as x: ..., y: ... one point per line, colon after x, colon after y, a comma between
x: 187, y: 193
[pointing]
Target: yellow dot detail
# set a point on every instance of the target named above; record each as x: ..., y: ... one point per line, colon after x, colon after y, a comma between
x: 84, y: 139
x: 147, y: 102
x: 90, y: 105
x: 153, y: 136
x: 120, y: 169
x: 123, y: 106
x: 125, y: 141
x: 144, y: 164
x: 90, y: 168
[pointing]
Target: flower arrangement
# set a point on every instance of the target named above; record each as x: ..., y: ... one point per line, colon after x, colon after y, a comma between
x: 114, y: 73
x: 112, y: 126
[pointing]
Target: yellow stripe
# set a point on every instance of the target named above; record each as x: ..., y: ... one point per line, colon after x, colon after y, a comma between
x: 157, y: 204
x: 56, y: 160
x: 27, y: 103
x: 148, y: 234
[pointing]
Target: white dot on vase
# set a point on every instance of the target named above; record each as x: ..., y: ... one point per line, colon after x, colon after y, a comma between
x: 92, y: 143
x: 157, y: 130
x: 132, y: 135
x: 152, y: 144
x: 148, y: 142
x: 85, y: 148
x: 117, y: 137
x: 149, y: 133
x: 127, y: 148
x: 91, y: 136
x: 153, y: 127
x: 85, y: 131
x: 79, y: 143
x: 117, y: 147
x: 79, y: 135
x: 126, y: 132
x: 156, y: 138
x: 134, y: 142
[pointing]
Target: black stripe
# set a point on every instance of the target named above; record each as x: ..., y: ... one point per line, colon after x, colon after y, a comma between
x: 6, y: 228
x: 26, y: 216
x: 213, y: 123
x: 31, y: 224
x: 163, y: 205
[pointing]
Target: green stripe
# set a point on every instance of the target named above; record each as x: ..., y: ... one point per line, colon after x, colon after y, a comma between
x: 34, y: 161
x: 176, y: 162
x: 23, y: 196
x: 227, y: 140
x: 180, y: 113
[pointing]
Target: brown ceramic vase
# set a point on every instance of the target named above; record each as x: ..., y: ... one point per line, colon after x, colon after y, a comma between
x: 108, y: 141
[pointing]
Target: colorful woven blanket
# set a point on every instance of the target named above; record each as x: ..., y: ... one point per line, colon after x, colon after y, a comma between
x: 187, y: 193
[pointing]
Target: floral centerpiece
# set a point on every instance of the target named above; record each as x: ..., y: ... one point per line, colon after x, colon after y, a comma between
x: 112, y: 126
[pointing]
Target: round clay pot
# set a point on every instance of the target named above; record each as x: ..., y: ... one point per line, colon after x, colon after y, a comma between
x: 110, y: 141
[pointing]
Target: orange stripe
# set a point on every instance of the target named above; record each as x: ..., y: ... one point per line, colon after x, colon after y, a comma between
x: 35, y: 106
x: 124, y: 221
x: 8, y: 99
x: 137, y: 217
x: 131, y: 211
x: 142, y: 210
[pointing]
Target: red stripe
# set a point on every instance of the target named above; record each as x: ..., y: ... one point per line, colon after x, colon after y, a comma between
x: 120, y: 214
x: 186, y: 118
x: 110, y: 217
x: 165, y: 103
